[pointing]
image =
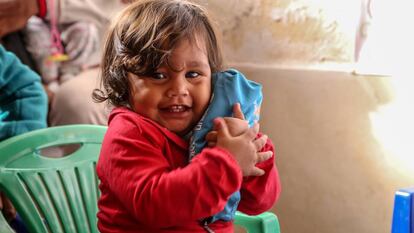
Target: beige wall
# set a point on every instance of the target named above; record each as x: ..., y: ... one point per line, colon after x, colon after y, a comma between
x: 338, y: 175
x: 344, y: 142
x: 286, y: 31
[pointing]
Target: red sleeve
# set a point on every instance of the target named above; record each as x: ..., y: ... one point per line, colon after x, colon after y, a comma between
x: 261, y: 192
x: 141, y: 177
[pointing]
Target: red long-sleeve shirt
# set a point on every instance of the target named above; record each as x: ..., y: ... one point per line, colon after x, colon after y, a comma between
x: 148, y: 185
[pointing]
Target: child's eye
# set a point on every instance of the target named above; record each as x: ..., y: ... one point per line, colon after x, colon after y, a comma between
x: 192, y: 74
x: 158, y: 76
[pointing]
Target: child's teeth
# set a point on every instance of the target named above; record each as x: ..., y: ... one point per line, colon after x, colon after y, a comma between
x: 177, y: 108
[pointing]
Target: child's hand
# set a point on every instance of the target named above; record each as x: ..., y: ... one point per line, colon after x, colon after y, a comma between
x: 238, y: 129
x: 236, y: 125
x: 260, y: 143
x: 242, y: 147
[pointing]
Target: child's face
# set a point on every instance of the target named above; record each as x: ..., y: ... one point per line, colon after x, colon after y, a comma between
x: 177, y: 95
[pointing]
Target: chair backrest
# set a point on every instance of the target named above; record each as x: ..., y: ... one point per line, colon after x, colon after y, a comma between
x: 266, y: 222
x: 53, y: 194
x: 60, y: 194
x: 403, y: 216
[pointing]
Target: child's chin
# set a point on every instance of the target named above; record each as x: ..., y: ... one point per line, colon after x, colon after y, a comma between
x: 179, y: 131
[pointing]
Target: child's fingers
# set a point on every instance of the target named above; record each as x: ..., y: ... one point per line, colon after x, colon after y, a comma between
x: 211, y: 144
x: 263, y: 156
x: 214, y: 125
x: 221, y: 127
x: 256, y: 172
x: 256, y: 128
x: 236, y: 126
x: 237, y: 112
x: 259, y: 143
x: 211, y: 136
x: 252, y: 132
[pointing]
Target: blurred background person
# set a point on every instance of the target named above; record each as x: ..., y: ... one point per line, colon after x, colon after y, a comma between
x: 23, y: 102
x: 83, y: 25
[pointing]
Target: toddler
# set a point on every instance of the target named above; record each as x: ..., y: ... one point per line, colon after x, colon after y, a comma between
x: 159, y: 60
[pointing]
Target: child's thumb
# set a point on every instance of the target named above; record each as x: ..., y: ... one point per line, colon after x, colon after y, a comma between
x: 221, y: 127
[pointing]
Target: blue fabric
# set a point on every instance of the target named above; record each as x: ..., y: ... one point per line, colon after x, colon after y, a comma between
x: 229, y: 87
x: 23, y: 104
x: 3, y: 115
x: 23, y: 101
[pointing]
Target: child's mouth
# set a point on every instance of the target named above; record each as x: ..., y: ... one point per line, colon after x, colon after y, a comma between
x: 176, y: 108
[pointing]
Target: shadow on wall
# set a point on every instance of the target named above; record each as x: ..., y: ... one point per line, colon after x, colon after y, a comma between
x: 335, y: 169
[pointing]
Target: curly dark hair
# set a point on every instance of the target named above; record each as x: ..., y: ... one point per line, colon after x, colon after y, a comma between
x: 142, y: 38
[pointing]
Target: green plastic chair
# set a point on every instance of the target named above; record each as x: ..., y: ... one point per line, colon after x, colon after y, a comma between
x: 60, y: 194
x: 263, y: 223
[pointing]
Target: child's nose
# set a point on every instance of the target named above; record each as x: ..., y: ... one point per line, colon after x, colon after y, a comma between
x: 178, y: 87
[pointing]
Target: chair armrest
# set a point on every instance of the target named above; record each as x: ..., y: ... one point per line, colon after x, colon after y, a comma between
x: 262, y: 223
x: 4, y: 226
